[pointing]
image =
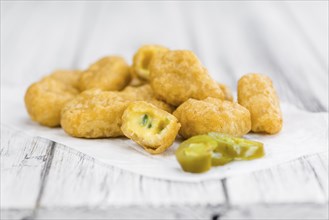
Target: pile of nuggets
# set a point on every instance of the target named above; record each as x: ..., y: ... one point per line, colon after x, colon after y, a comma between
x: 163, y: 93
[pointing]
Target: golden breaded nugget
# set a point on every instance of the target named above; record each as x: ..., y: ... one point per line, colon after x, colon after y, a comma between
x: 226, y: 91
x: 161, y: 105
x: 94, y: 114
x: 256, y: 92
x: 142, y: 59
x: 138, y: 93
x: 145, y: 93
x: 176, y: 76
x: 45, y: 99
x: 135, y: 81
x: 70, y: 77
x: 212, y: 115
x: 109, y: 73
x: 152, y: 128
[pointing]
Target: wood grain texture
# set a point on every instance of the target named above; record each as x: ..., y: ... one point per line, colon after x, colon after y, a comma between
x: 73, y: 185
x: 22, y: 158
x: 296, y: 181
x: 286, y: 40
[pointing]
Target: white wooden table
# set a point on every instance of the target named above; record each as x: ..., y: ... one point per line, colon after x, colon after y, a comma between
x: 288, y: 41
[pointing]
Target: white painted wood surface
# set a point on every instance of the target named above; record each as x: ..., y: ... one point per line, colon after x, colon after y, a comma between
x: 41, y: 179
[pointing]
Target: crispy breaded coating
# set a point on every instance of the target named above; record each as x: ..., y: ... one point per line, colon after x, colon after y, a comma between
x: 256, y: 92
x: 142, y: 60
x: 139, y: 93
x: 212, y: 115
x: 135, y: 80
x: 227, y: 92
x: 145, y: 93
x: 176, y: 76
x: 94, y: 114
x: 70, y: 77
x: 109, y: 73
x: 45, y: 99
x: 152, y: 128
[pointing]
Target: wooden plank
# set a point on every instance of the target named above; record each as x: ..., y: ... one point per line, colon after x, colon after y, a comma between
x: 265, y: 40
x: 132, y: 212
x: 77, y: 180
x: 9, y: 214
x: 24, y: 163
x: 300, y: 181
x: 278, y: 211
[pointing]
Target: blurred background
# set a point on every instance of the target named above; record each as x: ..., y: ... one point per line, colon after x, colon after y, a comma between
x: 286, y: 40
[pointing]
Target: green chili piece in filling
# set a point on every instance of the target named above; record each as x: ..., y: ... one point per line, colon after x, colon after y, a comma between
x: 146, y: 121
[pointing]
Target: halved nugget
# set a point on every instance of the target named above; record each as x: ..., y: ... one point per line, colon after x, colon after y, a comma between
x: 152, y: 128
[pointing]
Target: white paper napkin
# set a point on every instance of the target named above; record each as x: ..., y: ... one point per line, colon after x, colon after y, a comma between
x: 303, y: 133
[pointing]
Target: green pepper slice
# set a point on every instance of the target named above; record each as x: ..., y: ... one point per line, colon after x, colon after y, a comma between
x: 223, y: 153
x: 220, y: 159
x: 199, y: 153
x: 239, y: 148
x: 195, y: 154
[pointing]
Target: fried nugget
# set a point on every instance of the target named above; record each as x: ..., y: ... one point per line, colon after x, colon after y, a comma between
x: 94, y: 114
x: 152, y: 128
x: 45, y: 99
x: 212, y: 115
x: 226, y: 91
x: 109, y: 73
x: 145, y: 93
x: 142, y: 60
x: 138, y: 93
x: 70, y: 77
x: 256, y: 92
x: 176, y: 76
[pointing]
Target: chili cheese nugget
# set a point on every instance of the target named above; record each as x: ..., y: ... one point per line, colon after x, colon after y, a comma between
x: 45, y: 99
x: 256, y: 92
x: 70, y: 77
x: 212, y: 115
x: 108, y: 73
x: 136, y: 82
x: 138, y: 93
x: 94, y: 114
x: 142, y: 59
x: 152, y: 128
x: 226, y: 91
x: 176, y: 76
x: 145, y: 93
